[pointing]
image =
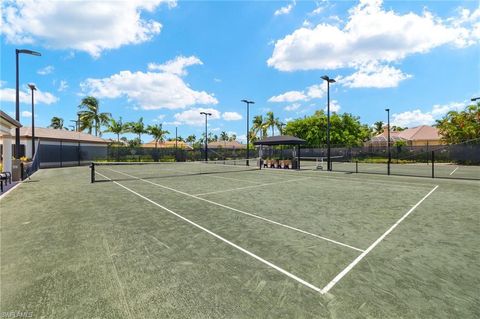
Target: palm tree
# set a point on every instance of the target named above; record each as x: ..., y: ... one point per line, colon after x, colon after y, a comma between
x: 90, y: 116
x: 233, y: 137
x: 224, y: 137
x: 116, y: 127
x: 56, y: 123
x: 157, y: 132
x: 137, y: 128
x: 272, y: 122
x: 258, y: 126
x: 191, y: 139
x: 378, y: 127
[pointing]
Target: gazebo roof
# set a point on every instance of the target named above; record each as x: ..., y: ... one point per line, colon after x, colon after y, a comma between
x: 281, y: 140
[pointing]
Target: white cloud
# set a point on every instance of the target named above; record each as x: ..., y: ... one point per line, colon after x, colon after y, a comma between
x: 231, y: 116
x: 441, y: 110
x: 159, y: 118
x: 370, y: 34
x: 174, y: 123
x: 374, y: 75
x: 317, y: 10
x: 8, y: 95
x: 88, y: 26
x: 26, y: 114
x: 334, y: 106
x: 292, y: 107
x: 290, y: 96
x: 193, y: 116
x: 46, y: 70
x: 412, y: 118
x: 242, y: 138
x: 418, y: 117
x: 312, y: 92
x: 62, y: 86
x: 176, y: 66
x: 151, y: 90
x: 285, y: 10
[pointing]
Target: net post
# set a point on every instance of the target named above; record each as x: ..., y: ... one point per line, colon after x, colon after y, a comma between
x: 356, y: 166
x: 22, y: 172
x: 433, y: 164
x: 92, y: 172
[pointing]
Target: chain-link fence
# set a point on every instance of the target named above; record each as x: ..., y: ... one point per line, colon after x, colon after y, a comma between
x: 459, y: 161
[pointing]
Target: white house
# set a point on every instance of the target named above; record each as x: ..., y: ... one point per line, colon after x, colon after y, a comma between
x: 7, y: 125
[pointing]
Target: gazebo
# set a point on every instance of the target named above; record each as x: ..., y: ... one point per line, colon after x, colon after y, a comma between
x: 283, y: 140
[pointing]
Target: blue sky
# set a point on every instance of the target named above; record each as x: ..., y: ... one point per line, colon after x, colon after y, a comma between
x: 166, y: 61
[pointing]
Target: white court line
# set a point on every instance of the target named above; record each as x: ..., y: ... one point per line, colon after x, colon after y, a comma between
x: 326, y: 175
x: 454, y: 171
x: 283, y: 271
x: 362, y: 255
x: 242, y: 212
x: 252, y: 186
x: 234, y: 179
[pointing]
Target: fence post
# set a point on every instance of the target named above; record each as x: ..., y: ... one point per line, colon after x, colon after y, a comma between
x: 61, y: 153
x: 298, y: 157
x: 388, y: 166
x: 356, y: 166
x: 92, y: 173
x: 433, y: 164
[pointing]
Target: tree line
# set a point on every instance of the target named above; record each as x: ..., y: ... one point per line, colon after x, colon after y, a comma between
x: 345, y: 129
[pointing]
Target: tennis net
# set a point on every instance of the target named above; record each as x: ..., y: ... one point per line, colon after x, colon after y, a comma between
x: 117, y: 171
x: 320, y: 163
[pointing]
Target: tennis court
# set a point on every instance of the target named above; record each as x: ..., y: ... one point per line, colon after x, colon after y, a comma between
x: 188, y: 240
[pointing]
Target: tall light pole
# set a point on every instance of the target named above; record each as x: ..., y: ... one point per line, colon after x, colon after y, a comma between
x: 248, y: 127
x: 206, y: 137
x: 33, y: 88
x: 329, y: 80
x: 388, y: 141
x: 17, y: 98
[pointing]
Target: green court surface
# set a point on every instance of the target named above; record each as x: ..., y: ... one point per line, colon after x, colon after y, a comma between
x: 243, y: 244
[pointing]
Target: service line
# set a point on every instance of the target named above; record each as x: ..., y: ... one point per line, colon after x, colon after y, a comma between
x: 242, y: 212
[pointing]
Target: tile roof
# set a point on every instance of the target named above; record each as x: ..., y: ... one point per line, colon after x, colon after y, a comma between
x: 423, y: 132
x: 226, y: 144
x: 64, y: 135
x: 167, y: 144
x: 9, y: 119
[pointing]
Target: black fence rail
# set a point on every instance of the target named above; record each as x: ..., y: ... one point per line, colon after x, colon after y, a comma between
x: 459, y: 161
x: 144, y: 154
